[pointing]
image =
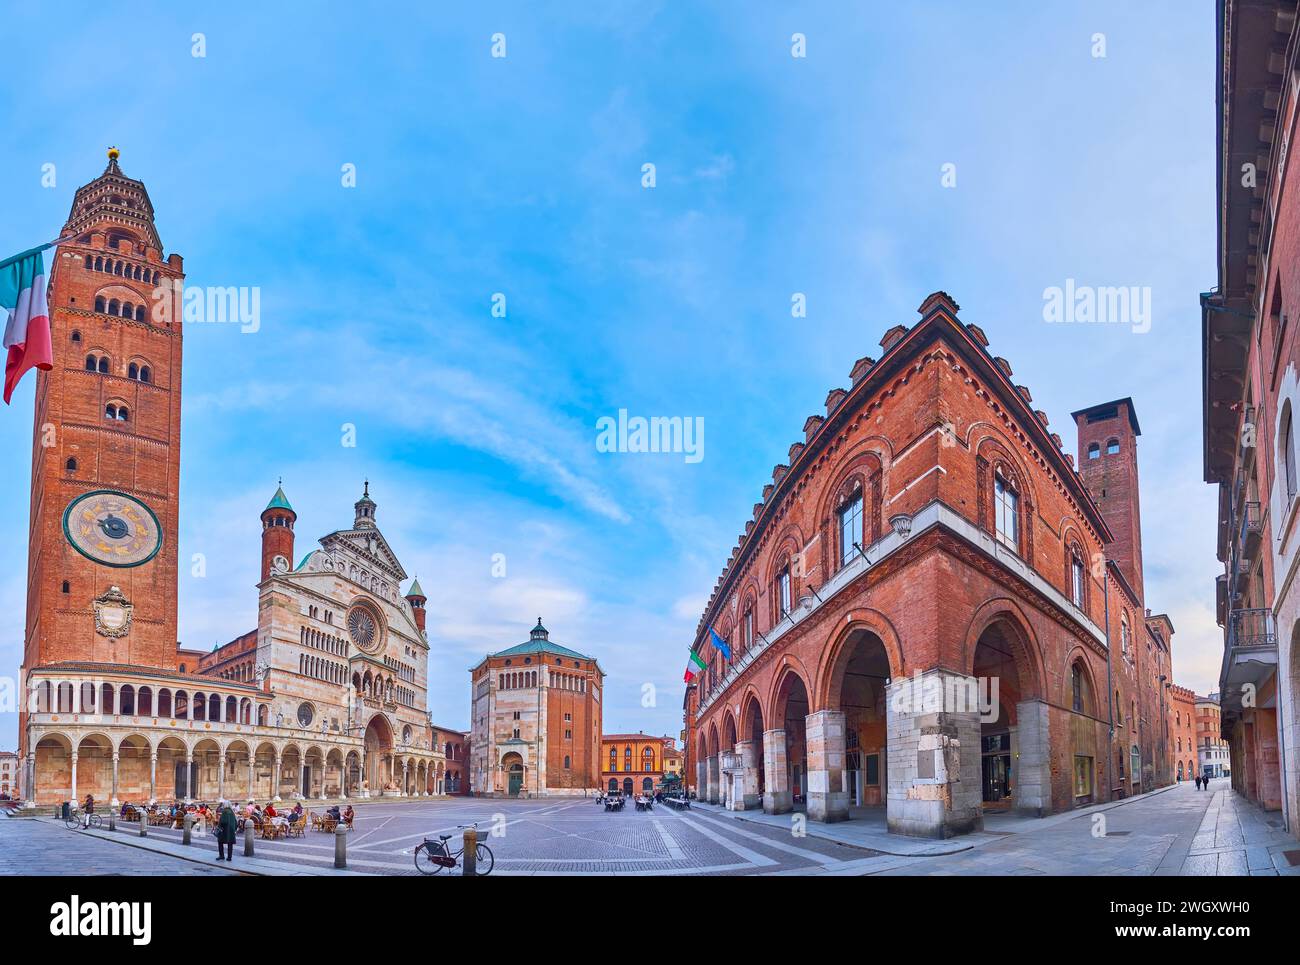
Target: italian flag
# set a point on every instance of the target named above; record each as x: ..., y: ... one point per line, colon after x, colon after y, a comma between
x: 27, y: 330
x: 695, y: 665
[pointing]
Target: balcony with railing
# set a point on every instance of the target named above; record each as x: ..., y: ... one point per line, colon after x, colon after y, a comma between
x: 1249, y: 657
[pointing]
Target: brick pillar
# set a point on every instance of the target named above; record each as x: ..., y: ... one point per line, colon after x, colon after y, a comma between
x: 1032, y: 775
x: 747, y: 797
x: 702, y: 779
x: 827, y: 799
x: 934, y: 758
x: 715, y: 785
x: 777, y: 798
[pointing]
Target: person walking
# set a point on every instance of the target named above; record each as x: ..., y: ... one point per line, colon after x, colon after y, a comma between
x: 87, y: 809
x: 227, y: 827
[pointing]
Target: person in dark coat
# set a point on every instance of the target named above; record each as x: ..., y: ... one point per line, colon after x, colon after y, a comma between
x: 227, y: 827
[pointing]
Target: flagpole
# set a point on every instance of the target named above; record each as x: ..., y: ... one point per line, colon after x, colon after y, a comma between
x: 32, y: 251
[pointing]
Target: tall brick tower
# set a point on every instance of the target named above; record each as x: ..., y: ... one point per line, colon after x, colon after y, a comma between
x: 1108, y: 464
x: 102, y: 560
x: 277, y: 533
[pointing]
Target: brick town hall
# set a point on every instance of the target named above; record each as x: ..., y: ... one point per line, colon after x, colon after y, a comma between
x: 325, y: 697
x: 929, y: 528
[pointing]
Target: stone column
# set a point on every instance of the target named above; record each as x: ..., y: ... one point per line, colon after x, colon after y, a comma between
x: 827, y: 799
x: 29, y: 786
x: 189, y: 778
x: 406, y: 787
x: 113, y: 800
x: 935, y: 786
x: 746, y: 797
x: 153, y: 778
x: 275, y: 786
x: 702, y: 779
x: 343, y: 778
x: 221, y: 775
x: 1032, y: 768
x: 252, y: 763
x: 714, y: 780
x: 74, y: 778
x: 777, y: 798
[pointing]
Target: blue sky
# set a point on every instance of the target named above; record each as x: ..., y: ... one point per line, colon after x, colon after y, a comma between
x: 522, y: 175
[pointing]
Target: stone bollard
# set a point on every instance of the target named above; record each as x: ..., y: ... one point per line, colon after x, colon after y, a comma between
x: 248, y: 839
x: 144, y: 825
x: 188, y: 824
x: 112, y: 820
x: 469, y: 863
x: 340, y: 845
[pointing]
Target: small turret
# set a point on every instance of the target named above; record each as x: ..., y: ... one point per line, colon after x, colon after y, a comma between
x: 415, y: 596
x: 277, y: 534
x: 365, y: 506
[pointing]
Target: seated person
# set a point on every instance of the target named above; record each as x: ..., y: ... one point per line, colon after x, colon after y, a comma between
x: 332, y: 812
x: 270, y: 811
x: 347, y: 814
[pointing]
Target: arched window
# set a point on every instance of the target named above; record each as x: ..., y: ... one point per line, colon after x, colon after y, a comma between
x: 71, y: 464
x: 1123, y: 634
x: 110, y: 411
x: 1078, y: 584
x: 99, y: 305
x: 1080, y: 699
x: 91, y: 363
x: 783, y: 590
x: 133, y: 371
x: 1094, y: 451
x: 849, y: 516
x: 1112, y: 447
x: 1288, y: 454
x: 128, y: 310
x: 67, y: 587
x: 139, y: 313
x: 1006, y: 512
x: 566, y: 762
x: 114, y: 306
x: 76, y: 336
x: 103, y: 365
x: 90, y: 263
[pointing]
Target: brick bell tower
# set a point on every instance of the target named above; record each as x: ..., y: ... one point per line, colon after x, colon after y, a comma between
x: 1108, y: 464
x: 102, y: 560
x: 277, y: 535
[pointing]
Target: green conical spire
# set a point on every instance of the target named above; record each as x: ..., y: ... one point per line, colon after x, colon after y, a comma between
x: 279, y: 500
x: 415, y: 588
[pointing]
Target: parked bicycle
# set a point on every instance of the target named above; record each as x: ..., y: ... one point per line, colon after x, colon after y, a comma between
x: 432, y: 856
x: 73, y: 820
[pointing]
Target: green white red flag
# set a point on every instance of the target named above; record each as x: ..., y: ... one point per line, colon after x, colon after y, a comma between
x: 695, y: 664
x: 27, y: 328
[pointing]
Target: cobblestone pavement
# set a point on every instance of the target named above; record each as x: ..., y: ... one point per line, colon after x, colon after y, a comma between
x: 562, y: 837
x: 1180, y: 832
x: 33, y: 847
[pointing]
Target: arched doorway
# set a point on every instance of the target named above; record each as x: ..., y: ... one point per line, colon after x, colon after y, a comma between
x: 1014, y: 755
x: 613, y: 784
x: 379, y: 749
x: 753, y: 783
x: 789, y: 777
x: 513, y: 765
x: 856, y: 684
x: 628, y: 786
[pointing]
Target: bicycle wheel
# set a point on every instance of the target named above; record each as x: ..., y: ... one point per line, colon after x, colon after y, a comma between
x: 483, y: 860
x: 96, y: 821
x: 72, y: 821
x: 424, y: 862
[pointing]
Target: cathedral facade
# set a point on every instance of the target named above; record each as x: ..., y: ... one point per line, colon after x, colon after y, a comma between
x: 326, y: 697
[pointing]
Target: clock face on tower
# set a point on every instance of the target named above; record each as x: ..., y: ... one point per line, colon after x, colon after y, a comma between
x: 112, y: 528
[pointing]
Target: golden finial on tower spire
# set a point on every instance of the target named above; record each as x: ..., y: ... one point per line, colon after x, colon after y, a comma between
x: 114, y: 153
